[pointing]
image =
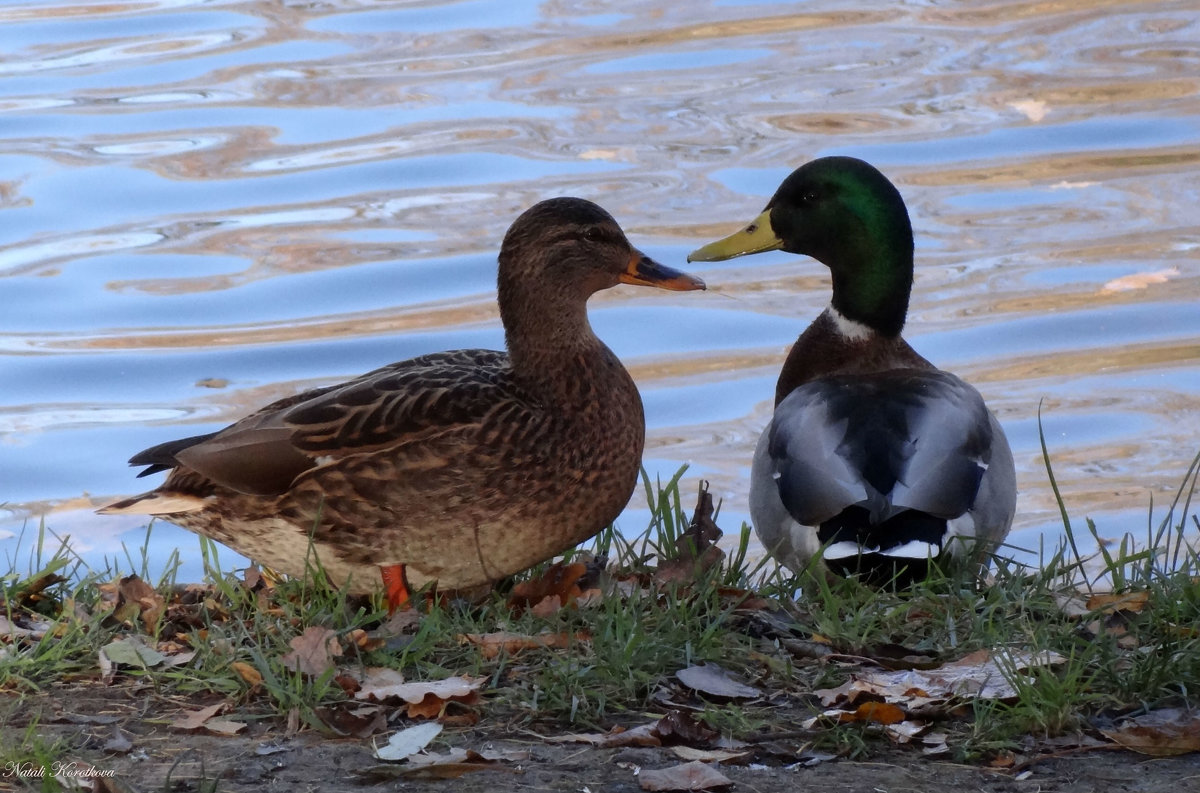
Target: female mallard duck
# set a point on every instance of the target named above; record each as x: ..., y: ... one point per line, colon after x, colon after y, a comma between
x: 457, y: 467
x: 874, y: 455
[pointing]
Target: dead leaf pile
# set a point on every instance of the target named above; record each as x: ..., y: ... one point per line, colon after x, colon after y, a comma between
x: 902, y: 702
x: 981, y: 675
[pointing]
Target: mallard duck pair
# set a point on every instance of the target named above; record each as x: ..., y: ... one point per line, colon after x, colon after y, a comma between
x: 463, y: 467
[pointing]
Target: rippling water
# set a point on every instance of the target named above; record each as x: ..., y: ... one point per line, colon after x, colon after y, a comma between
x: 208, y: 205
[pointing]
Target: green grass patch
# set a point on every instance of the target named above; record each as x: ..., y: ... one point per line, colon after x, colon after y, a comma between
x: 1123, y: 622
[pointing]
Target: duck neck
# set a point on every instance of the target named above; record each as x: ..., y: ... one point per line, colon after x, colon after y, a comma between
x: 553, y: 350
x: 871, y: 289
x: 835, y: 345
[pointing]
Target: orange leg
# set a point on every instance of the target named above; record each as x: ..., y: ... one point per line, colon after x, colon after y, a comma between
x: 395, y: 584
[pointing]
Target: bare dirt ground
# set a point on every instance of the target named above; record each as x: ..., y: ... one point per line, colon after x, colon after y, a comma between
x: 122, y: 733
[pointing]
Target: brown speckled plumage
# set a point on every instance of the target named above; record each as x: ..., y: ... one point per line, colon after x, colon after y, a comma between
x: 464, y: 466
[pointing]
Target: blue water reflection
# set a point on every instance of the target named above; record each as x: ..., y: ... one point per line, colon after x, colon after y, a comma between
x: 204, y: 207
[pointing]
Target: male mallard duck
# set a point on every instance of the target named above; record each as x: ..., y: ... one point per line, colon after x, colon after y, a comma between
x: 457, y: 467
x: 873, y: 454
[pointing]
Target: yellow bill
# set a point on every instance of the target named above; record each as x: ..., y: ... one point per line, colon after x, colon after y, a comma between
x: 755, y: 238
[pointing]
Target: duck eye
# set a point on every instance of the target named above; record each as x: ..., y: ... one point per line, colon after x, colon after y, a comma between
x: 592, y: 234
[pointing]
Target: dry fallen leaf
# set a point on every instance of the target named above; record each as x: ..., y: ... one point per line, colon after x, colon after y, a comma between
x: 689, y: 776
x: 348, y: 683
x: 313, y: 651
x: 431, y: 706
x: 149, y: 604
x: 203, y: 719
x: 934, y: 743
x: 873, y: 713
x: 642, y: 735
x: 1159, y: 733
x: 253, y: 578
x: 680, y: 727
x: 377, y: 677
x: 744, y: 599
x: 362, y: 721
x: 695, y: 549
x: 365, y: 642
x: 715, y: 681
x: 224, y: 726
x: 179, y: 659
x: 710, y: 755
x: 449, y: 688
x: 547, y: 606
x: 401, y: 622
x: 1109, y: 602
x: 131, y: 652
x: 247, y: 673
x: 426, y: 699
x: 560, y: 580
x: 905, y: 731
x: 402, y: 745
x: 194, y: 720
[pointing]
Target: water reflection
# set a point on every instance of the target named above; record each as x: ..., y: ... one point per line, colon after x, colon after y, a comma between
x: 264, y: 197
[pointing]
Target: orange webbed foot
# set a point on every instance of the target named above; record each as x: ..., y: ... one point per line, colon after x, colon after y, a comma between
x: 395, y: 586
